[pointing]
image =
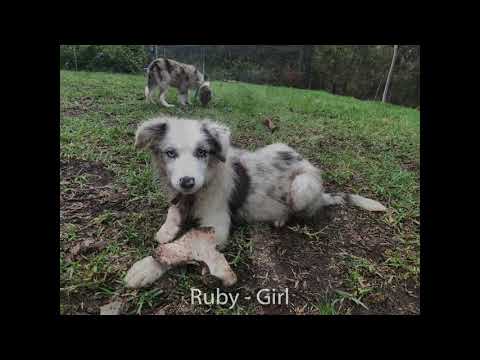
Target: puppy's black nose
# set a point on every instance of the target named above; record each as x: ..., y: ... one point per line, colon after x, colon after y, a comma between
x: 187, y: 182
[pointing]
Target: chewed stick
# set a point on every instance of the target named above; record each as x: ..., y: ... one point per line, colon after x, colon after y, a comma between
x: 197, y: 245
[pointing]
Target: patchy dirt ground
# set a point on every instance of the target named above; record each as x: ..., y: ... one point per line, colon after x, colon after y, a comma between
x: 78, y: 107
x: 344, y: 251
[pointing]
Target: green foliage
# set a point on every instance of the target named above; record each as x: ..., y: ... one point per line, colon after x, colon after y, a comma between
x: 360, y: 71
x: 112, y: 58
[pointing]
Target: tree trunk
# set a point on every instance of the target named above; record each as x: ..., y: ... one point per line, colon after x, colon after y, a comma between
x: 75, y: 57
x: 417, y: 90
x: 300, y: 60
x: 334, y: 74
x: 389, y: 77
x: 378, y: 88
x: 307, y: 57
x: 350, y: 68
x: 203, y: 61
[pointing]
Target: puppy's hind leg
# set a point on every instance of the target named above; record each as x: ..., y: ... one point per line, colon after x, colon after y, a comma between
x: 153, y: 80
x: 307, y: 196
x: 149, y: 90
x: 163, y: 93
x: 305, y: 192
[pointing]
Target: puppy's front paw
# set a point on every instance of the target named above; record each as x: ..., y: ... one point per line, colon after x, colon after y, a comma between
x: 230, y: 279
x: 163, y: 236
x: 143, y: 273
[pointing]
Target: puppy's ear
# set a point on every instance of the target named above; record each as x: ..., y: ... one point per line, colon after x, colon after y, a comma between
x: 218, y: 138
x: 150, y: 132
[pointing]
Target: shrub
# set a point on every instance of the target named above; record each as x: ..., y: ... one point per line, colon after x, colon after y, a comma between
x: 114, y: 58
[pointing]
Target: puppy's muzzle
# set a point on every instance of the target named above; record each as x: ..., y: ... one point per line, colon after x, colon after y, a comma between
x: 187, y: 182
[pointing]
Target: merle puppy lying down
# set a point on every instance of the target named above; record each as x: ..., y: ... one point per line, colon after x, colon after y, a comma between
x: 213, y: 182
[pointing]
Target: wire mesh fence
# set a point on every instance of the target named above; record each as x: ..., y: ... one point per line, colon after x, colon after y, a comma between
x: 248, y: 63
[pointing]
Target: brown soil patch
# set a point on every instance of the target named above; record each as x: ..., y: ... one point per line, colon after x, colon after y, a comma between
x: 413, y: 166
x: 80, y: 106
x: 87, y: 191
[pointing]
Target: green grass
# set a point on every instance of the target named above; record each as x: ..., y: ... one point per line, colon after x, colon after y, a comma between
x: 364, y: 147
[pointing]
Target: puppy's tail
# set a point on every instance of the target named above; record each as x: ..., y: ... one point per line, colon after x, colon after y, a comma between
x: 351, y: 199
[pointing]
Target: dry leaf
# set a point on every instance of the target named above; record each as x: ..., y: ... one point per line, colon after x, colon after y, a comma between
x: 113, y: 308
x: 269, y: 124
x: 86, y: 246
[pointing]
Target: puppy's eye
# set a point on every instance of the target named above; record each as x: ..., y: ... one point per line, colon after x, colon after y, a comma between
x: 201, y: 153
x: 171, y: 154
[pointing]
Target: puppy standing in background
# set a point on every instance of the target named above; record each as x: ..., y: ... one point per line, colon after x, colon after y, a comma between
x: 163, y: 73
x: 221, y: 182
